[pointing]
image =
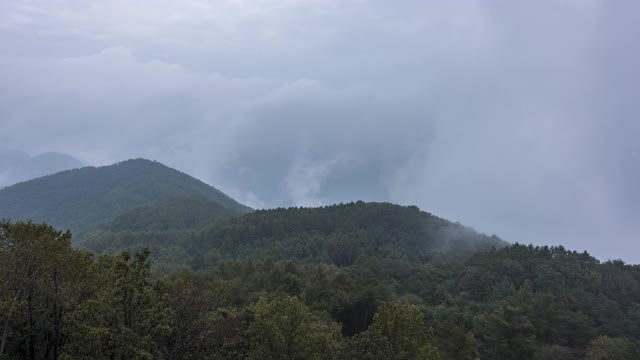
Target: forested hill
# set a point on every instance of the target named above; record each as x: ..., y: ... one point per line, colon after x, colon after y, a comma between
x: 337, y: 234
x: 517, y: 302
x: 166, y: 226
x: 201, y: 279
x: 177, y: 214
x: 77, y: 199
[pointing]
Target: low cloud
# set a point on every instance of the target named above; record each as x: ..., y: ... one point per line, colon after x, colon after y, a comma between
x: 516, y: 119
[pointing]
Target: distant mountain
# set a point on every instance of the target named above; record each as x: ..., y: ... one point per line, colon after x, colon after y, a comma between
x: 80, y: 198
x: 17, y: 166
x: 339, y: 234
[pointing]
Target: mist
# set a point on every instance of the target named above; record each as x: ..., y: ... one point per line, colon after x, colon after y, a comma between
x: 514, y: 119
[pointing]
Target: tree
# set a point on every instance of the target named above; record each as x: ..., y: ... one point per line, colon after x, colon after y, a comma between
x: 284, y: 328
x: 398, y: 332
x: 606, y: 348
x: 507, y: 331
x: 454, y: 342
x: 129, y: 318
x: 554, y: 352
x: 228, y: 327
x: 40, y: 284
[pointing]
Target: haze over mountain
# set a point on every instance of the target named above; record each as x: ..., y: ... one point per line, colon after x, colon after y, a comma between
x: 17, y: 166
x: 192, y: 257
x: 77, y: 199
x: 515, y: 118
x: 140, y: 203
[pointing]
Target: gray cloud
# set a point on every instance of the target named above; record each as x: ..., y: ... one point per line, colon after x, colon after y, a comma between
x: 517, y: 119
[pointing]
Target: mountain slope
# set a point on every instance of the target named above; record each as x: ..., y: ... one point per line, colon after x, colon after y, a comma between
x: 338, y: 234
x: 192, y: 212
x: 80, y: 198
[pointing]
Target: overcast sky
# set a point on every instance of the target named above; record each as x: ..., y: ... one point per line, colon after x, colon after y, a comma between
x: 517, y: 118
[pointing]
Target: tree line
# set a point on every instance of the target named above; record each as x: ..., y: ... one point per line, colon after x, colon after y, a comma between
x: 517, y: 302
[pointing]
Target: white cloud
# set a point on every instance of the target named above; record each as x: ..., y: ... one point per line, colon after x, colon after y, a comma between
x: 305, y: 179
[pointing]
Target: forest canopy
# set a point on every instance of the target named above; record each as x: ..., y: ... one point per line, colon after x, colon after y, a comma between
x: 507, y: 302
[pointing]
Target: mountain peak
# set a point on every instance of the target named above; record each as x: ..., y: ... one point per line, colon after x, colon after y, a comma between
x: 80, y: 198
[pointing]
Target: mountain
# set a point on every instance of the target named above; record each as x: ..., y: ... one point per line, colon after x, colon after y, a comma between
x: 80, y: 198
x: 192, y: 212
x: 17, y: 166
x: 341, y: 234
x: 338, y: 234
x: 166, y: 227
x: 218, y: 283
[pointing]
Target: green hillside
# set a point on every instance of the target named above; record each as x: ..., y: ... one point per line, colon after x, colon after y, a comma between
x: 80, y: 198
x: 338, y: 234
x: 174, y: 214
x: 202, y: 279
x: 165, y: 226
x: 393, y: 299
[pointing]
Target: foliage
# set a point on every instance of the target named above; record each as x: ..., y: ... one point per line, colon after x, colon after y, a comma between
x: 284, y: 328
x: 398, y: 332
x: 357, y: 281
x: 58, y: 302
x: 128, y: 318
x: 606, y: 348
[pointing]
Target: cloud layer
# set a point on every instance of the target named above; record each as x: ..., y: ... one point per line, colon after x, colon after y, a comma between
x: 517, y: 119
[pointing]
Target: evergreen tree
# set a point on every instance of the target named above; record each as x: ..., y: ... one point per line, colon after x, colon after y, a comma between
x: 284, y: 328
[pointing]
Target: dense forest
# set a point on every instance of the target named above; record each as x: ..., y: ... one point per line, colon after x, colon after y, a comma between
x: 178, y: 270
x: 515, y: 302
x: 191, y: 234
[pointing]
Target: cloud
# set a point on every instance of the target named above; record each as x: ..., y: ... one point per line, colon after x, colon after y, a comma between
x: 116, y: 103
x: 516, y: 119
x: 305, y: 179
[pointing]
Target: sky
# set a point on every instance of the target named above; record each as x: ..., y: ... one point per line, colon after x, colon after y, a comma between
x: 519, y: 119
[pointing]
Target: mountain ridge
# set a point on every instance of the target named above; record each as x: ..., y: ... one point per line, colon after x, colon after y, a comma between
x: 79, y: 198
x: 339, y: 234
